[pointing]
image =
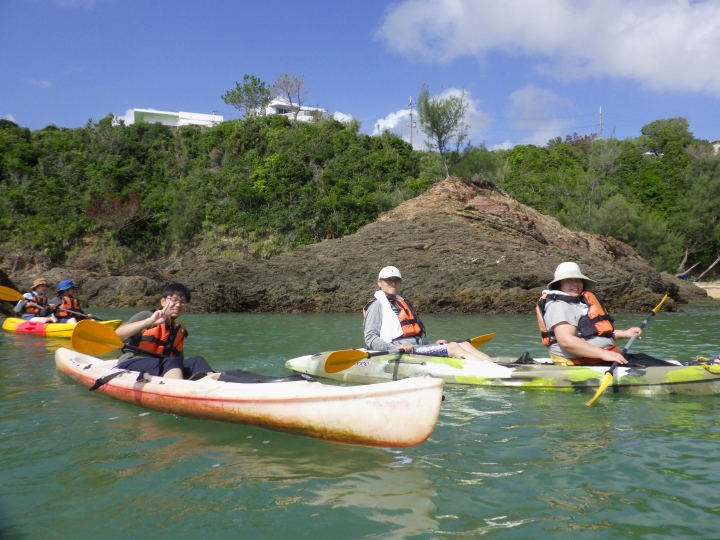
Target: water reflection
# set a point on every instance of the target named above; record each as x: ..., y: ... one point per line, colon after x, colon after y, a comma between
x: 401, y: 498
x: 378, y: 485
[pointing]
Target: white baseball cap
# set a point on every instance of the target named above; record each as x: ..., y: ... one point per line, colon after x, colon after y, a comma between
x: 388, y: 272
x: 568, y: 270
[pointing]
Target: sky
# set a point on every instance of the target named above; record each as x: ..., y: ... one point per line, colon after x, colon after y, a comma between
x: 531, y: 70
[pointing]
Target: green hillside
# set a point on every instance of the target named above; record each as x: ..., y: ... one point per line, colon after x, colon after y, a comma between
x: 265, y: 185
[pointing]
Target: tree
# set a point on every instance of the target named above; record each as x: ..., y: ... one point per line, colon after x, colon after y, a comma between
x: 292, y: 89
x: 252, y: 97
x: 443, y: 121
x: 670, y: 135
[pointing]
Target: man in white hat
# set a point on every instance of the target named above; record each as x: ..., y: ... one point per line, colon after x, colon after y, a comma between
x: 391, y: 323
x: 575, y: 325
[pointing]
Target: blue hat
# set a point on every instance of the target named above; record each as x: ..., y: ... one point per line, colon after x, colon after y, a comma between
x: 66, y: 284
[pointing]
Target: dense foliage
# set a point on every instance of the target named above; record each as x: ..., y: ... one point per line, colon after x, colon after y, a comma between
x: 266, y: 181
x: 659, y: 193
x: 266, y: 185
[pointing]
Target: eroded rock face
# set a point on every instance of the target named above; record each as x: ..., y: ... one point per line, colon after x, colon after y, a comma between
x: 460, y: 248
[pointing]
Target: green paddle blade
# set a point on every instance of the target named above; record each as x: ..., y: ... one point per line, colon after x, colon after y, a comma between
x: 90, y: 337
x: 607, y: 379
x: 10, y: 295
x: 342, y: 360
x: 479, y: 341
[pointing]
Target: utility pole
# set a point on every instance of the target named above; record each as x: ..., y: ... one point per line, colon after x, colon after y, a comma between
x: 601, y: 122
x: 411, y: 124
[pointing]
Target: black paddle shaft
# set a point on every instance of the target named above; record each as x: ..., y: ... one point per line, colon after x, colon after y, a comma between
x: 632, y: 340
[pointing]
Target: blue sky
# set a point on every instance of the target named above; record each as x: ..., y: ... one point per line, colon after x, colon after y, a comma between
x: 532, y: 69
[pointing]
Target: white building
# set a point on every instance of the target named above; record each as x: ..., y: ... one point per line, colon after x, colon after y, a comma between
x: 306, y: 114
x: 176, y: 119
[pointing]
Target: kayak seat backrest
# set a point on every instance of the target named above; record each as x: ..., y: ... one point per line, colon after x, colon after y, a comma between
x: 246, y: 377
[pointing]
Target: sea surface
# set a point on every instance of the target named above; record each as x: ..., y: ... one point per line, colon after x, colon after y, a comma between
x: 501, y: 463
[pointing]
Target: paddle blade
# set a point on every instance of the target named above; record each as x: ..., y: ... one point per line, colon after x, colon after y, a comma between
x: 90, y: 337
x: 657, y: 308
x: 479, y: 341
x: 607, y: 379
x: 10, y: 295
x: 342, y: 360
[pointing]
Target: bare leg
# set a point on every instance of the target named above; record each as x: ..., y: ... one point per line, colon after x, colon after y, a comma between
x: 43, y: 319
x: 467, y: 351
x: 174, y: 373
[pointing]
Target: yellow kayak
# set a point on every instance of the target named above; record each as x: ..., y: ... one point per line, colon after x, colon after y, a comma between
x: 55, y: 330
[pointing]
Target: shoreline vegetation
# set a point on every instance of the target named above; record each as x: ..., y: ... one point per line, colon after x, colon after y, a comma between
x: 107, y: 198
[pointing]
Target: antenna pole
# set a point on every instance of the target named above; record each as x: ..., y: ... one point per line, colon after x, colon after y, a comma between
x: 601, y: 122
x: 411, y: 124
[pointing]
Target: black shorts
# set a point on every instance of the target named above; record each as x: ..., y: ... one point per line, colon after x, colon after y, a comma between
x: 160, y: 366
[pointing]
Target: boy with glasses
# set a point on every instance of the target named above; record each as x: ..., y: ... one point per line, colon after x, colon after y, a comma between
x: 158, y: 333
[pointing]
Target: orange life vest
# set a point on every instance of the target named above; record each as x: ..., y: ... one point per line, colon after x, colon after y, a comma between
x: 69, y: 302
x: 164, y: 339
x: 41, y: 302
x: 597, y: 322
x: 410, y: 323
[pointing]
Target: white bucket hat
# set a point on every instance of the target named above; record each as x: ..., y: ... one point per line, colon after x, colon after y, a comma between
x: 569, y: 270
x: 388, y: 272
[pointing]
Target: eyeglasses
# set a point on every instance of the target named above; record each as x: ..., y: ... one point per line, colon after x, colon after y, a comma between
x: 177, y: 300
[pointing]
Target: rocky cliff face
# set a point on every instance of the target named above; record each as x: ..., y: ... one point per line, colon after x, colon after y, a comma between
x: 460, y: 247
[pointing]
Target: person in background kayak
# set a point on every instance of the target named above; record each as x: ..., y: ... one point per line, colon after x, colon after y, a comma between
x: 35, y: 307
x: 577, y: 328
x: 67, y: 307
x: 391, y: 323
x: 157, y: 332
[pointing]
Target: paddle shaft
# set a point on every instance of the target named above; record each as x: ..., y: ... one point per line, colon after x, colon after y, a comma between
x: 608, y: 377
x: 78, y: 313
x: 635, y: 336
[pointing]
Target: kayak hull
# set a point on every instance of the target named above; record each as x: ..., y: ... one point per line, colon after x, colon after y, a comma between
x: 690, y: 380
x: 54, y: 330
x: 395, y: 414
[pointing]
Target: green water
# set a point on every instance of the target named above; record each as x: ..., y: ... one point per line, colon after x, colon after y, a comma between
x: 502, y: 463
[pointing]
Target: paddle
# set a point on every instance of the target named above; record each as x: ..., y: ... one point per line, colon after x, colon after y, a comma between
x: 94, y: 318
x: 89, y: 337
x: 341, y: 360
x: 607, y: 379
x: 11, y: 295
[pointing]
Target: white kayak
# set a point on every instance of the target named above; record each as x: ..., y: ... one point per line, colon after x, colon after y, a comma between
x: 391, y: 414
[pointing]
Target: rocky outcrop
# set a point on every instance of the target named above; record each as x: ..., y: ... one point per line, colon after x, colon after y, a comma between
x: 461, y: 248
x: 686, y: 289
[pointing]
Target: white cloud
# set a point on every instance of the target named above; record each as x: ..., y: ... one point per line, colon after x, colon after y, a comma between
x: 128, y: 117
x: 45, y: 83
x: 533, y: 110
x: 505, y: 145
x: 662, y: 44
x: 10, y: 117
x: 399, y: 122
x: 342, y: 117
